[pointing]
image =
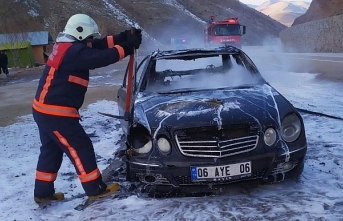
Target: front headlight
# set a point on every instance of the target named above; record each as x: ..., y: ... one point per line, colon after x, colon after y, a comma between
x: 270, y: 136
x: 163, y: 145
x: 139, y: 140
x: 290, y: 128
x: 145, y: 149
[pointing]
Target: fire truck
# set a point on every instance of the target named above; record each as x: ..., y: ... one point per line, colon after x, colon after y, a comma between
x: 224, y: 32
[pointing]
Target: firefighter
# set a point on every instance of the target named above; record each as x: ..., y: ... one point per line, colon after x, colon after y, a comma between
x: 3, y: 62
x: 60, y: 94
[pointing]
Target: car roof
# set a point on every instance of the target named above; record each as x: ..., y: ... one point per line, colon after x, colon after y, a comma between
x: 194, y: 53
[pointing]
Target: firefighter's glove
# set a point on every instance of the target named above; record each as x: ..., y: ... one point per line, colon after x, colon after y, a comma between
x: 122, y: 37
x: 128, y: 49
x: 138, y: 32
x: 134, y: 40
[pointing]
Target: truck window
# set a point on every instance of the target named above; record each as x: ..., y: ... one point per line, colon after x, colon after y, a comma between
x: 223, y: 30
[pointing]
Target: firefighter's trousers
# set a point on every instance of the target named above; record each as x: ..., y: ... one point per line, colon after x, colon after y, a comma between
x: 61, y: 135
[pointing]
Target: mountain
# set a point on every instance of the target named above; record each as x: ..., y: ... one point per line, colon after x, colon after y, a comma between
x: 160, y: 20
x: 283, y: 11
x: 320, y: 9
x: 252, y: 6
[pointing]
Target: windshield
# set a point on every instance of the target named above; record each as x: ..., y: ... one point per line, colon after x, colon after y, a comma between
x: 202, y: 73
x: 223, y: 30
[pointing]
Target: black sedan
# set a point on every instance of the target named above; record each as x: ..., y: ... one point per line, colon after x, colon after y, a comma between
x: 197, y: 120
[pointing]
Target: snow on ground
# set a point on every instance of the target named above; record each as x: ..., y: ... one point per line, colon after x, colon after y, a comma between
x: 316, y: 195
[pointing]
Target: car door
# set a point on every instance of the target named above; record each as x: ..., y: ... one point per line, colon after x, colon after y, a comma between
x: 123, y: 93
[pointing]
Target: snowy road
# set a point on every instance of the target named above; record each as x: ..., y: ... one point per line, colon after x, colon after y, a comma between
x: 316, y: 195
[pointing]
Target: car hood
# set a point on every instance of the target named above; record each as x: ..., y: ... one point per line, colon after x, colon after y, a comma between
x: 258, y: 105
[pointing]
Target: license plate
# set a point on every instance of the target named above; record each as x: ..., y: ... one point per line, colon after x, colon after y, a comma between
x: 225, y: 172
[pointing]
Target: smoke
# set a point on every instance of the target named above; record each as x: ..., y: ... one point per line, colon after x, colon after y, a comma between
x: 271, y: 57
x: 275, y: 61
x: 176, y: 25
x: 208, y: 73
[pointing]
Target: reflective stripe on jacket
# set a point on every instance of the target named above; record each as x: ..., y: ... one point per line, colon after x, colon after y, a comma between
x: 63, y: 85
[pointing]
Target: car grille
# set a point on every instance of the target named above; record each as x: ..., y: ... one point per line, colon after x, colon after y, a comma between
x: 216, y: 143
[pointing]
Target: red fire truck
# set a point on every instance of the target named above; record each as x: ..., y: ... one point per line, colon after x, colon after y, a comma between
x: 225, y: 32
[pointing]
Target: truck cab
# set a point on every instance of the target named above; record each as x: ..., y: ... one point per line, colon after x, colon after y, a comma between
x: 227, y: 32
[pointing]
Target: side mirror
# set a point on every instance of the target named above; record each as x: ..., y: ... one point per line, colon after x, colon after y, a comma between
x: 243, y: 29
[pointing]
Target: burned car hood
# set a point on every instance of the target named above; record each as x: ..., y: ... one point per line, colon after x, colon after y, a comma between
x: 254, y: 105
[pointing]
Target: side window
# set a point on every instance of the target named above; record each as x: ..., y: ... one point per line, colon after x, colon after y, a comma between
x: 140, y: 71
x: 141, y: 74
x: 140, y: 68
x: 135, y: 77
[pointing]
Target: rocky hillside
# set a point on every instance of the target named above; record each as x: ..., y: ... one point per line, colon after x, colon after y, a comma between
x: 161, y: 20
x: 319, y: 30
x: 320, y: 9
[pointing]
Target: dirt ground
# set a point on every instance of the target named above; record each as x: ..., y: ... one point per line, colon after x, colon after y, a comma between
x: 18, y: 89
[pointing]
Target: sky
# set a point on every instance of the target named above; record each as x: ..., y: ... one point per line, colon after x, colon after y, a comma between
x: 259, y: 2
x: 316, y: 195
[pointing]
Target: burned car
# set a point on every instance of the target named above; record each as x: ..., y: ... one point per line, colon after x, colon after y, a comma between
x: 200, y: 119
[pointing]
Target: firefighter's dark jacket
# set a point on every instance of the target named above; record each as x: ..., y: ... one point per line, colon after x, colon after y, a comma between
x: 64, y: 82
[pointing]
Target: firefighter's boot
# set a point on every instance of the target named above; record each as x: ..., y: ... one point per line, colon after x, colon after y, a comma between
x: 112, y: 188
x: 56, y: 197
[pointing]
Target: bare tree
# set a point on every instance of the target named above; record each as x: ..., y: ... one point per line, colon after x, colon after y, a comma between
x: 10, y: 23
x: 53, y: 23
x: 4, y: 15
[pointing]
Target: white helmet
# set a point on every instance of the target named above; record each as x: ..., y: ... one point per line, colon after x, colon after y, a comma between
x: 81, y: 26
